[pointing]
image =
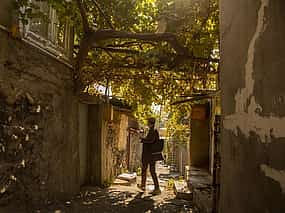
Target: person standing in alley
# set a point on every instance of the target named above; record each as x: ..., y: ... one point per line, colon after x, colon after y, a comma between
x: 148, y: 157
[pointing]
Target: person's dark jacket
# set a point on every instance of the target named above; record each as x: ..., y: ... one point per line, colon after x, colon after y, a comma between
x: 147, y: 154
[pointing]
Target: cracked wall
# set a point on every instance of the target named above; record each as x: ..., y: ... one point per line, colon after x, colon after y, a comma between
x: 253, y: 138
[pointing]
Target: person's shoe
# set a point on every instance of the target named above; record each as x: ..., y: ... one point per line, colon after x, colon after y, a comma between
x: 156, y: 192
x: 141, y: 187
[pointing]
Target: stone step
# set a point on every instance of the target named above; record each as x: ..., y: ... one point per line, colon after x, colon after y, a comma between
x: 182, y: 191
x: 121, y: 182
x: 130, y: 177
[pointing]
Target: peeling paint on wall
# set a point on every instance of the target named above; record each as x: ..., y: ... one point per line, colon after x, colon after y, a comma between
x: 266, y: 127
x: 247, y: 117
x: 246, y: 93
x: 278, y: 176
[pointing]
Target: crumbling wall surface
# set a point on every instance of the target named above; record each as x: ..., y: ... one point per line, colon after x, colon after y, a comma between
x: 103, y: 145
x: 24, y: 70
x: 109, y: 147
x: 103, y: 139
x: 122, y: 136
x: 21, y: 147
x: 253, y: 104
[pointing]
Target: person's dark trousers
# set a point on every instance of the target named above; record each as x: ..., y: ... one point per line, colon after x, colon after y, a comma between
x: 152, y: 172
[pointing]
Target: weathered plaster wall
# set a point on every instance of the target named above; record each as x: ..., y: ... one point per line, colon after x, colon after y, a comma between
x: 135, y: 151
x: 109, y: 137
x: 123, y: 132
x: 104, y: 131
x: 107, y: 143
x: 253, y: 104
x: 83, y: 141
x: 6, y: 9
x: 24, y: 68
x: 100, y: 137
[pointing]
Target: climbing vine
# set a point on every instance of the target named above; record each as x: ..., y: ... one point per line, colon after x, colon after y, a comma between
x: 21, y: 150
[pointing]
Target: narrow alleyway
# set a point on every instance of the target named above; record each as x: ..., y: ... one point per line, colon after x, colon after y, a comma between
x: 121, y: 198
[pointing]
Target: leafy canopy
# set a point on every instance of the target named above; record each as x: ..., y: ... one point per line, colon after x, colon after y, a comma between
x: 147, y: 51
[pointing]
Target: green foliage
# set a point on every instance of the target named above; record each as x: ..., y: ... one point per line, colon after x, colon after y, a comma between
x: 107, y: 183
x: 22, y: 146
x: 170, y: 183
x: 145, y: 72
x: 139, y: 171
x: 178, y: 124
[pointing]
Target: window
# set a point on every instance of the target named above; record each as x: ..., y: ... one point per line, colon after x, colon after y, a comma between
x: 45, y: 29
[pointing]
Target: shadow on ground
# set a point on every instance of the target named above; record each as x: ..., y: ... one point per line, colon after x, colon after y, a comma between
x: 112, y: 200
x: 116, y: 199
x: 97, y: 200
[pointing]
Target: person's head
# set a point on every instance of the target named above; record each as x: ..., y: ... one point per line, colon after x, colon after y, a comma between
x: 151, y: 122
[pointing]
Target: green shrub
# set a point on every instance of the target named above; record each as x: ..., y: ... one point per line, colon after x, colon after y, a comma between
x: 139, y: 171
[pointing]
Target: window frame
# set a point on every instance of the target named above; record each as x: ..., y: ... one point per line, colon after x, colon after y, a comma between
x: 48, y: 42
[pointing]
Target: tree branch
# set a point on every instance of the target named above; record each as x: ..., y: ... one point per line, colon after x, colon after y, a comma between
x: 82, y: 10
x: 131, y: 43
x: 108, y: 52
x: 101, y: 35
x: 103, y: 14
x: 118, y: 50
x: 203, y: 23
x: 92, y: 38
x: 82, y: 54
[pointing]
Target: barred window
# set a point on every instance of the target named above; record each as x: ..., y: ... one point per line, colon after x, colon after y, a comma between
x: 45, y: 29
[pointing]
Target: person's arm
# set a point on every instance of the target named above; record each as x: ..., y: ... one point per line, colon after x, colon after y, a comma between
x: 150, y: 138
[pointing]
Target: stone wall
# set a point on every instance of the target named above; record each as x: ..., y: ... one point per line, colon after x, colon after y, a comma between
x: 253, y: 104
x: 24, y: 69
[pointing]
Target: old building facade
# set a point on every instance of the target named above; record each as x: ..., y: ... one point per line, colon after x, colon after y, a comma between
x: 82, y: 140
x: 43, y: 75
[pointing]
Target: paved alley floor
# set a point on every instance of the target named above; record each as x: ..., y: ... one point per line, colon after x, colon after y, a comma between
x: 127, y: 199
x: 120, y: 199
